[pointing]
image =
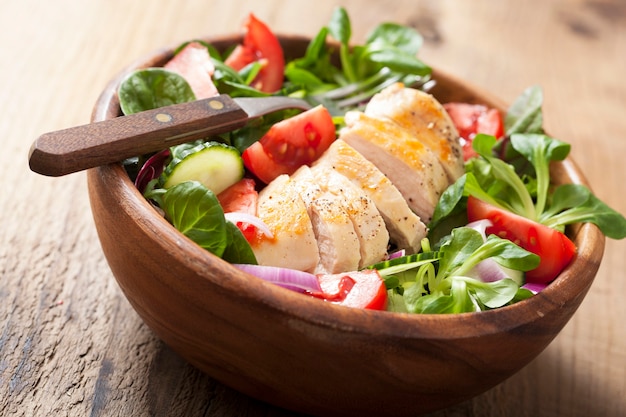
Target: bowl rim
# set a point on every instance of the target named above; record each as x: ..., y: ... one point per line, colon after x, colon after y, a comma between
x: 569, y: 287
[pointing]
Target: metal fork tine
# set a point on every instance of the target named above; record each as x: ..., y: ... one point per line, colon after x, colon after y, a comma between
x: 366, y: 95
x: 355, y: 94
x: 345, y: 91
x: 256, y: 107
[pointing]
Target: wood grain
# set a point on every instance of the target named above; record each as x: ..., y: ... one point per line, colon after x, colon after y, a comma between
x: 70, y: 343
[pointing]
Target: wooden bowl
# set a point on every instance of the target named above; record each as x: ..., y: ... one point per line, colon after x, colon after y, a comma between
x: 301, y: 353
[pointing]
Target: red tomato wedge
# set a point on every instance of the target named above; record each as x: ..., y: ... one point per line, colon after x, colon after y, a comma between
x: 261, y: 164
x: 241, y: 197
x: 194, y: 64
x: 260, y: 45
x: 291, y: 143
x: 471, y: 119
x: 553, y: 247
x: 362, y: 289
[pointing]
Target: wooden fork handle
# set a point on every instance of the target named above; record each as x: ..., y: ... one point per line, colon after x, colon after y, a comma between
x: 82, y: 147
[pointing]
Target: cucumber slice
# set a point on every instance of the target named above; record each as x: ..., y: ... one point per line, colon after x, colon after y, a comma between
x: 215, y: 165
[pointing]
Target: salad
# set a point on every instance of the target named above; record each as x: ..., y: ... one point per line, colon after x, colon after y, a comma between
x: 495, y: 234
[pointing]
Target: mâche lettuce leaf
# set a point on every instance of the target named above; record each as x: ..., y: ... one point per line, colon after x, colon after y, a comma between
x: 441, y: 282
x: 520, y: 181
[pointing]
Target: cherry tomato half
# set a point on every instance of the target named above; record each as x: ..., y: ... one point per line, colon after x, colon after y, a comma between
x: 241, y: 197
x: 291, y: 143
x: 362, y: 289
x: 553, y: 247
x: 260, y: 44
x: 471, y: 119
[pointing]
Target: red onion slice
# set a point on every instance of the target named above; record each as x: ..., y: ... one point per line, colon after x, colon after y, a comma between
x: 151, y: 169
x: 534, y: 287
x: 235, y: 217
x: 480, y: 226
x: 488, y: 271
x: 291, y: 279
x: 397, y: 254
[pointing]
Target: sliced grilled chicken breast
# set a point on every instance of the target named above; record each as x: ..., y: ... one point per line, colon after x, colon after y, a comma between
x: 410, y: 165
x: 283, y: 211
x: 425, y: 117
x: 337, y: 241
x: 405, y: 228
x: 367, y: 221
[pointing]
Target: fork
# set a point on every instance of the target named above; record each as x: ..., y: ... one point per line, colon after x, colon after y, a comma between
x: 82, y: 147
x: 77, y: 148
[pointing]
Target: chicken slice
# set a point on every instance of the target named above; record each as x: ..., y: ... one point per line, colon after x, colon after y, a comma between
x: 293, y: 245
x: 367, y: 221
x: 405, y: 228
x: 337, y: 241
x: 410, y: 165
x: 425, y: 117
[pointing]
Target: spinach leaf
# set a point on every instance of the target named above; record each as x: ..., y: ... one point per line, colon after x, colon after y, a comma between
x: 396, y: 46
x: 396, y: 60
x: 340, y: 28
x: 400, y: 37
x: 389, y: 46
x: 316, y: 49
x: 151, y: 88
x: 306, y: 79
x: 315, y: 71
x: 195, y: 211
x: 449, y: 211
x: 238, y: 250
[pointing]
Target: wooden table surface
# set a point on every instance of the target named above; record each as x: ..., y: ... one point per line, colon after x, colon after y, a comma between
x: 71, y: 345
